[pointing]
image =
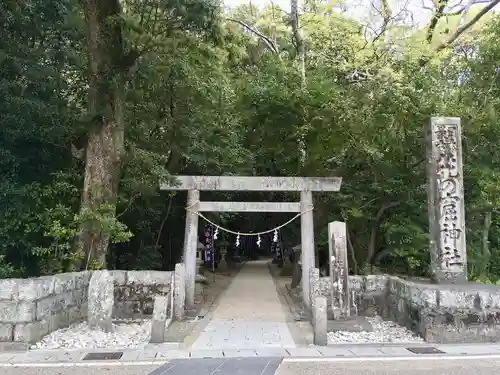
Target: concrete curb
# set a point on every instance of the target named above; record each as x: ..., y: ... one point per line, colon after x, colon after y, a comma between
x: 145, y: 356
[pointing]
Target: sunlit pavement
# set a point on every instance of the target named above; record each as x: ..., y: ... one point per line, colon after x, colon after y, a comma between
x: 94, y: 370
x: 427, y: 366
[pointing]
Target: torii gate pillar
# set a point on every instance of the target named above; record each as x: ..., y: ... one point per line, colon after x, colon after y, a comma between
x: 304, y: 185
x: 190, y: 244
x: 306, y: 242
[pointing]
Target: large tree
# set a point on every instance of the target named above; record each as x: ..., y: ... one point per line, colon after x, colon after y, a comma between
x: 108, y: 65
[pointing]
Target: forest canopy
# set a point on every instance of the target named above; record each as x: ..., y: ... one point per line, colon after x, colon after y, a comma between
x: 102, y: 99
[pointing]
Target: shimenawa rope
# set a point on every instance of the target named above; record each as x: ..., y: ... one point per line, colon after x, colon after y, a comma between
x: 188, y: 208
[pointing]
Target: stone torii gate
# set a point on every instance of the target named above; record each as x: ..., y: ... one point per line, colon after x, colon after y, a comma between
x: 304, y: 185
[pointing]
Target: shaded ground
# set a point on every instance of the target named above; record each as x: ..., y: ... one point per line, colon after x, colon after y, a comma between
x: 298, y: 324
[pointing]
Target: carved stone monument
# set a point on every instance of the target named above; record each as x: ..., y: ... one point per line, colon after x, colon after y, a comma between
x: 179, y: 291
x: 339, y: 270
x: 101, y: 300
x: 223, y: 266
x: 159, y: 319
x: 314, y: 290
x: 320, y: 321
x: 446, y: 200
x: 296, y: 266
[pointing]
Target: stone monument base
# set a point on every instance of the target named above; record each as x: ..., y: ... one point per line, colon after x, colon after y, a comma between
x: 443, y: 277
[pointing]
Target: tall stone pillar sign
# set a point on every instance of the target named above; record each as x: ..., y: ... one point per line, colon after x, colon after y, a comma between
x: 339, y: 270
x: 446, y: 200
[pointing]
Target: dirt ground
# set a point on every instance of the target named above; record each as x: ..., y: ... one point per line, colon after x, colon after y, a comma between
x: 206, y: 294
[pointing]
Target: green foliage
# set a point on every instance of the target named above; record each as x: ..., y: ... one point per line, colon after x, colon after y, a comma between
x: 207, y: 96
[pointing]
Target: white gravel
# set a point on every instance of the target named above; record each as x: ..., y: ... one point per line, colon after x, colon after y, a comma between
x: 384, y: 331
x: 131, y: 334
x: 136, y: 334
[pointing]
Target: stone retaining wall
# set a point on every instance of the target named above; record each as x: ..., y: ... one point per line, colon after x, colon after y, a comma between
x: 444, y: 313
x: 31, y: 308
x: 135, y: 292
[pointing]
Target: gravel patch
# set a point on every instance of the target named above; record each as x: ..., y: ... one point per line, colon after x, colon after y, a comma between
x: 133, y: 334
x: 384, y: 331
x: 126, y: 334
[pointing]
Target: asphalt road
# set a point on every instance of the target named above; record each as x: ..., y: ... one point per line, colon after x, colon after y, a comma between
x: 484, y: 366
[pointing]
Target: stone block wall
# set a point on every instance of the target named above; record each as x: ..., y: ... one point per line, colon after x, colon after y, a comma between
x: 31, y: 308
x: 135, y: 291
x: 456, y: 313
x: 444, y: 313
x: 369, y: 293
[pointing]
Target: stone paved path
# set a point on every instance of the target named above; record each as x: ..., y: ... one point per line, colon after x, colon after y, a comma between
x: 250, y: 314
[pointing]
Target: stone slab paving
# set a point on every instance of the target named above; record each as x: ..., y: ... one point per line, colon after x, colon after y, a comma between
x: 249, y: 315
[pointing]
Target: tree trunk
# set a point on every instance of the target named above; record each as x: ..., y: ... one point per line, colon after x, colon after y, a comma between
x: 105, y: 144
x: 372, y: 244
x: 301, y: 57
x: 486, y: 240
x: 350, y: 247
x: 299, y: 40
